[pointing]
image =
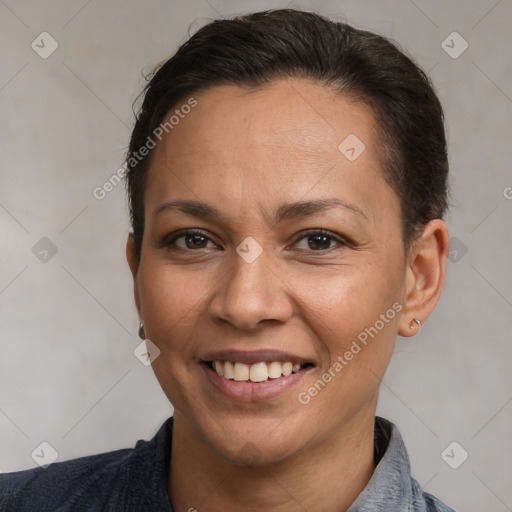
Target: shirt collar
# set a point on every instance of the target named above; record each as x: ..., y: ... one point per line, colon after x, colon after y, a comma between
x: 391, y: 485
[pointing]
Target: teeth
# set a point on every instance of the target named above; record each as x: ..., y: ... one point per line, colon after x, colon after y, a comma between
x: 274, y: 369
x: 287, y: 368
x: 229, y: 372
x: 257, y: 372
x: 241, y: 371
x: 218, y: 367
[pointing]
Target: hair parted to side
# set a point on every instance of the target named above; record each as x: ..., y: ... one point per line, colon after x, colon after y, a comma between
x: 252, y: 50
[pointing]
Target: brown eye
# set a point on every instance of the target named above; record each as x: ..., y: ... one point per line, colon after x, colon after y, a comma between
x: 188, y: 240
x: 317, y: 241
x: 195, y: 241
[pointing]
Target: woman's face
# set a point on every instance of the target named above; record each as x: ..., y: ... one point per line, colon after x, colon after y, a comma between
x: 256, y: 173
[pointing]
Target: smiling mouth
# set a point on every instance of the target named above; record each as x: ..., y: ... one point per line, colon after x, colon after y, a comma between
x: 256, y: 372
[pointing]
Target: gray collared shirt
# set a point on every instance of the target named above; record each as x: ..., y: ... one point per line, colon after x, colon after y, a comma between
x: 136, y: 479
x: 392, y: 487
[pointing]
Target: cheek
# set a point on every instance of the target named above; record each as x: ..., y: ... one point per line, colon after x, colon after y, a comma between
x: 170, y: 301
x: 355, y: 323
x: 353, y: 313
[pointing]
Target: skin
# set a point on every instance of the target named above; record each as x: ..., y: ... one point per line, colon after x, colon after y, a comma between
x: 246, y: 152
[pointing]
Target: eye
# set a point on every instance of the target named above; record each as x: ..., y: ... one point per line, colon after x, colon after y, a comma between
x: 318, y: 240
x: 190, y: 239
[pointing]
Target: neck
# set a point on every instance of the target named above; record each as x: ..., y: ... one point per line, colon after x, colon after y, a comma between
x: 325, y: 479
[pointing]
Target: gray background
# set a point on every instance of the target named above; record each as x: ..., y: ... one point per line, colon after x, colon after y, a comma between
x: 68, y: 375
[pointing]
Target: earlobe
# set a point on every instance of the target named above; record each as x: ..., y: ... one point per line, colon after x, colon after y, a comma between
x: 424, y: 278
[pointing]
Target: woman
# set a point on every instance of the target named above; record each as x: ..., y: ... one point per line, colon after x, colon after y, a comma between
x: 287, y: 178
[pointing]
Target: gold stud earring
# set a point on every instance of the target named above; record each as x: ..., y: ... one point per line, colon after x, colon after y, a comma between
x: 142, y: 333
x: 414, y: 321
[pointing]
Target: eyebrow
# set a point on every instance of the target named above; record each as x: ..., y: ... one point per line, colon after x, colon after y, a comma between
x: 286, y: 211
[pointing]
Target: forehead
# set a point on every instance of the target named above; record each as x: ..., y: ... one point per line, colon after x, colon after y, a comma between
x: 288, y: 138
x: 287, y: 112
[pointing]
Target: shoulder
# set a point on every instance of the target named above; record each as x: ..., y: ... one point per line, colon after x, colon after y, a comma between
x: 425, y: 502
x: 95, y: 482
x: 428, y: 502
x: 61, y: 482
x: 392, y: 482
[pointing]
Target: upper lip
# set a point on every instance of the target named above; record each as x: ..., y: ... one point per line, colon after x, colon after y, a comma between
x: 254, y: 356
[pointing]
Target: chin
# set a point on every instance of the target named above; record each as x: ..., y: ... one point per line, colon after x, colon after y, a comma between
x: 253, y: 443
x: 258, y: 454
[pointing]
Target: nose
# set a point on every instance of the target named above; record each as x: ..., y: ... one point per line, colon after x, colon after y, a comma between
x: 251, y: 294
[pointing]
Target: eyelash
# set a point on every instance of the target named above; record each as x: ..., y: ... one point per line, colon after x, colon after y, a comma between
x: 169, y: 242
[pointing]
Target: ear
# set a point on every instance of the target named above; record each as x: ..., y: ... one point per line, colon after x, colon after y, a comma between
x: 134, y: 267
x: 424, y: 279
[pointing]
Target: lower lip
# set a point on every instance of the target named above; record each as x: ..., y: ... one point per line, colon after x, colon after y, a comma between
x: 253, y: 391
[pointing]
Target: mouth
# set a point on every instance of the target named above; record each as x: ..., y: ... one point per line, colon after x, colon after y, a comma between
x: 254, y: 376
x: 261, y: 371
